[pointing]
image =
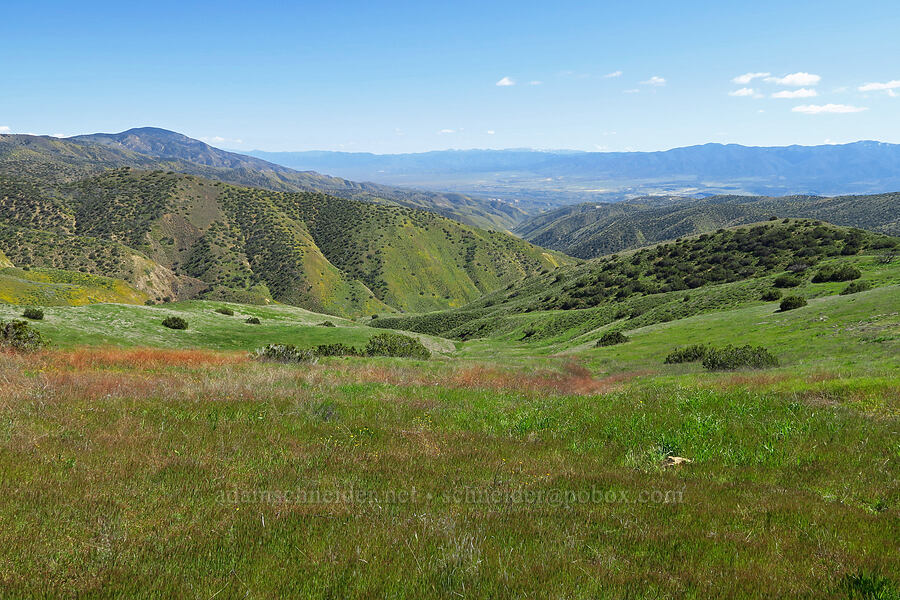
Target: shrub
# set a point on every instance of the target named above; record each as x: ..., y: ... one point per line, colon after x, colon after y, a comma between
x: 736, y: 357
x: 35, y: 314
x: 611, y: 338
x: 327, y: 324
x: 786, y: 281
x: 284, y: 353
x: 175, y: 323
x: 771, y: 295
x: 253, y: 321
x: 687, y: 354
x: 856, y: 286
x: 792, y: 302
x: 337, y: 349
x: 149, y: 302
x: 21, y: 337
x: 225, y: 311
x: 836, y: 273
x: 395, y: 344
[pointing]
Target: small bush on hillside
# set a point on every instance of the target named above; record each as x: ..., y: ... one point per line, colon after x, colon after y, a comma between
x: 225, y: 311
x: 771, y: 295
x: 35, y: 314
x: 856, y: 286
x: 611, y: 338
x: 736, y: 357
x: 337, y: 349
x: 327, y: 324
x: 175, y: 323
x: 394, y: 344
x: 284, y: 353
x: 836, y: 273
x: 253, y: 321
x: 149, y: 302
x: 792, y: 302
x: 687, y: 354
x: 21, y: 337
x: 786, y: 281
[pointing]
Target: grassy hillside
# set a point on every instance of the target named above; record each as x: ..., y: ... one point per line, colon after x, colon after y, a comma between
x: 4, y: 261
x: 128, y: 326
x: 64, y: 160
x: 201, y: 237
x: 50, y: 287
x: 663, y: 283
x: 592, y: 230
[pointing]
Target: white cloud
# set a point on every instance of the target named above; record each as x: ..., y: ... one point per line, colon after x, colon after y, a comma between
x: 631, y: 91
x: 613, y: 74
x: 743, y: 92
x: 887, y: 86
x: 796, y: 79
x: 446, y: 131
x: 535, y: 82
x: 218, y: 139
x: 490, y: 132
x: 655, y: 80
x: 818, y: 109
x: 5, y: 129
x: 748, y: 77
x: 801, y: 93
x: 505, y: 82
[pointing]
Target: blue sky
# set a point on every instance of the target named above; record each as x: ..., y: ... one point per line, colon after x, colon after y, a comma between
x: 412, y: 76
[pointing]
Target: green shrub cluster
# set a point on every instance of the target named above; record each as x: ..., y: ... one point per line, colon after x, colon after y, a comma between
x: 337, y: 349
x: 327, y: 324
x: 395, y: 344
x: 787, y: 280
x: 736, y: 357
x: 611, y: 338
x: 836, y: 273
x: 35, y: 314
x: 792, y: 302
x: 771, y: 295
x: 688, y: 354
x: 225, y: 311
x: 856, y: 286
x: 175, y: 323
x: 284, y: 353
x: 21, y: 337
x: 253, y: 321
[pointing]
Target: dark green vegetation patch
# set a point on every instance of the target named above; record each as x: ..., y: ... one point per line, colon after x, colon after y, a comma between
x: 20, y: 337
x: 393, y: 344
x: 35, y: 314
x: 792, y: 302
x: 612, y: 338
x: 738, y: 357
x: 175, y: 323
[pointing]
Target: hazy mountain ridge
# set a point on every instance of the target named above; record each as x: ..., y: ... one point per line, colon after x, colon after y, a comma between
x: 566, y: 177
x: 59, y: 160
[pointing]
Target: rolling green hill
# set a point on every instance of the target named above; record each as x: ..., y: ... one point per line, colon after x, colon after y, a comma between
x: 54, y: 160
x: 181, y: 236
x: 54, y: 287
x: 592, y: 230
x: 710, y: 272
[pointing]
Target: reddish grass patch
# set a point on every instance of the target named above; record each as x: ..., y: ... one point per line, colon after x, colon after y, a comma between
x: 139, y: 358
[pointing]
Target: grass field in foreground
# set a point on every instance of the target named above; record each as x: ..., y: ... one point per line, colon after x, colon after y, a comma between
x: 160, y: 473
x: 501, y: 470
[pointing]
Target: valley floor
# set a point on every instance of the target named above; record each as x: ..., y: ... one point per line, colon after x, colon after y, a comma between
x: 493, y: 470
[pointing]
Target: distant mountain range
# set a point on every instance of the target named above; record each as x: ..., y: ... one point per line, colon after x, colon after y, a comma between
x: 55, y: 159
x: 541, y: 179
